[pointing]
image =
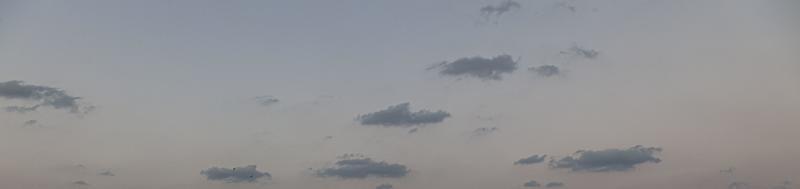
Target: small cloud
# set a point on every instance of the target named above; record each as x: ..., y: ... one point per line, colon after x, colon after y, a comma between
x: 401, y: 116
x: 738, y: 185
x: 80, y: 182
x: 106, y: 173
x: 384, y: 186
x: 534, y: 159
x: 361, y: 168
x: 479, y: 67
x: 500, y: 9
x: 234, y: 175
x: 30, y: 123
x: 267, y: 100
x: 412, y: 131
x: 582, y: 52
x: 532, y: 184
x: 566, y: 5
x: 545, y: 70
x: 484, y: 131
x: 607, y: 160
x: 554, y: 185
x: 42, y: 96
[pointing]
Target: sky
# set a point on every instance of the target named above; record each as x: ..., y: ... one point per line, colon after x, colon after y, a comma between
x: 414, y: 94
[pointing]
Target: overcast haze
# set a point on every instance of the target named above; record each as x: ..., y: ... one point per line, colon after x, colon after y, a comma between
x: 412, y: 94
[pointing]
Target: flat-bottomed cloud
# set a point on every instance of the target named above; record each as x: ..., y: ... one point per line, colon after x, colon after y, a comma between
x: 607, y: 160
x: 362, y: 168
x: 401, y: 115
x: 234, y: 175
x: 479, y: 67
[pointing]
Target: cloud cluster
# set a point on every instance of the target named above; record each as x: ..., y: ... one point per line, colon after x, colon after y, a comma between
x: 362, y: 168
x: 234, y: 175
x: 534, y: 159
x: 42, y: 96
x: 500, y: 8
x: 607, y: 160
x: 479, y: 67
x: 545, y: 70
x: 401, y: 115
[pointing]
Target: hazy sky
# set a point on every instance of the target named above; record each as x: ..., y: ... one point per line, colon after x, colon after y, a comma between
x: 413, y: 94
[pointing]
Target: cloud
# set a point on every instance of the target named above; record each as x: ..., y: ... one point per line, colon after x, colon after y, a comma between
x: 234, y: 175
x: 412, y: 131
x: 608, y: 159
x: 583, y: 52
x: 484, y: 131
x: 400, y: 115
x: 545, y: 70
x: 361, y: 168
x: 106, y: 173
x: 480, y: 67
x: 532, y: 184
x: 500, y: 8
x: 554, y: 185
x: 534, y: 159
x: 267, y: 100
x: 384, y: 186
x: 29, y: 123
x: 80, y: 182
x: 738, y: 185
x: 42, y: 96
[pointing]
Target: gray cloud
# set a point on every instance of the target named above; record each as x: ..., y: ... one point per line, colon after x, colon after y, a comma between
x: 545, y: 70
x: 234, y: 175
x: 608, y: 159
x: 42, y: 95
x: 106, y: 173
x: 480, y: 67
x: 500, y: 8
x: 583, y: 52
x: 267, y: 100
x: 401, y: 115
x: 80, y: 182
x: 29, y: 123
x: 738, y: 185
x: 534, y: 159
x: 554, y: 185
x: 384, y: 186
x: 484, y: 131
x: 532, y: 184
x: 412, y: 131
x: 362, y: 168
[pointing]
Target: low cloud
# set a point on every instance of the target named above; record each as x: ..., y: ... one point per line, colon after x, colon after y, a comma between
x: 534, y: 159
x: 106, y: 173
x: 401, y: 116
x: 501, y: 8
x: 30, y: 123
x: 545, y: 70
x: 607, y: 160
x: 483, y: 131
x: 384, y: 186
x: 267, y: 100
x: 40, y: 95
x: 554, y: 185
x: 532, y: 184
x: 582, y: 52
x: 234, y: 175
x: 361, y: 168
x: 479, y: 67
x: 80, y: 182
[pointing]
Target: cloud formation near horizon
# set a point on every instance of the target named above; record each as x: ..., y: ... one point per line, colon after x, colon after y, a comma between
x: 401, y: 116
x: 362, y: 168
x: 234, y: 175
x: 607, y: 160
x: 41, y: 96
x: 479, y: 67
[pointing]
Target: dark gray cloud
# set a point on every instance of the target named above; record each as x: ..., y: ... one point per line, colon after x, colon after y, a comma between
x: 532, y: 184
x: 608, y: 159
x: 384, y: 186
x: 554, y: 185
x: 583, y: 52
x: 361, y: 168
x: 545, y: 70
x: 80, y: 182
x: 500, y: 8
x: 42, y: 96
x: 106, y: 173
x: 484, y: 131
x: 267, y: 100
x: 480, y: 67
x: 235, y: 175
x: 401, y: 115
x: 534, y: 159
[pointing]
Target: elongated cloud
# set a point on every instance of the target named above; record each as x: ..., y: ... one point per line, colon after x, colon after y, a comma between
x: 583, y: 52
x: 479, y: 67
x: 106, y: 173
x: 363, y: 168
x: 234, y: 175
x: 534, y: 159
x: 384, y: 186
x: 400, y: 115
x: 607, y: 160
x: 532, y: 184
x: 545, y: 70
x: 554, y: 185
x: 500, y: 8
x: 267, y: 100
x: 41, y: 95
x: 80, y: 182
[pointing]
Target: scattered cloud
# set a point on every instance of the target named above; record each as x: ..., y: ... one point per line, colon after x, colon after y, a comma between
x: 545, y: 70
x: 106, y: 173
x: 479, y: 67
x: 360, y: 168
x: 80, y: 182
x: 500, y: 9
x: 401, y: 116
x: 42, y: 96
x: 384, y: 186
x: 532, y: 184
x: 484, y: 131
x: 534, y: 159
x: 554, y: 185
x: 30, y: 123
x: 607, y: 160
x: 582, y: 52
x: 266, y: 100
x: 234, y: 175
